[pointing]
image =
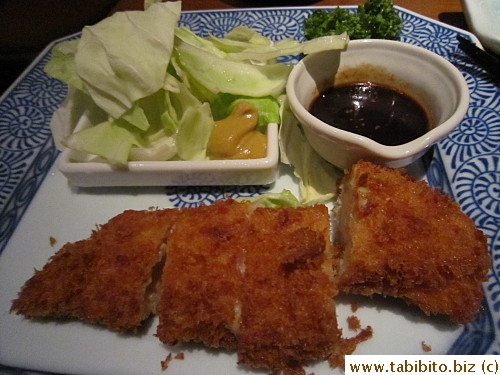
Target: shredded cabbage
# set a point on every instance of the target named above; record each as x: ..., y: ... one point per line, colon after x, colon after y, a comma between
x: 273, y: 200
x: 159, y: 86
x: 268, y: 108
x: 317, y: 177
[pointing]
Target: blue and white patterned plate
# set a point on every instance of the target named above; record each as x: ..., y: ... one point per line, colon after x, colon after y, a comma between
x: 36, y: 204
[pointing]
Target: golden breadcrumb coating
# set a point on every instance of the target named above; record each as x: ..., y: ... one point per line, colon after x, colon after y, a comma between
x: 288, y: 312
x: 348, y: 345
x: 201, y: 282
x: 402, y: 238
x: 257, y: 280
x: 262, y: 281
x: 104, y: 279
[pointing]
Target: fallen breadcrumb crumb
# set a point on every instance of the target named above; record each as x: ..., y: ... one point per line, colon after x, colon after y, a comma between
x: 166, y: 361
x: 179, y: 355
x: 354, y: 307
x: 347, y: 347
x: 425, y: 347
x: 353, y: 323
x: 294, y: 371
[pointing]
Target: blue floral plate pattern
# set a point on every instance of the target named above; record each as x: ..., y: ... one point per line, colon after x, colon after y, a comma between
x: 466, y: 164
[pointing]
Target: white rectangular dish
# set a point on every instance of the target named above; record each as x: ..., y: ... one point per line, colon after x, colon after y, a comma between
x: 176, y: 173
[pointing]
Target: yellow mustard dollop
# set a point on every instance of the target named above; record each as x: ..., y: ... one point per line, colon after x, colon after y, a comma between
x: 237, y: 137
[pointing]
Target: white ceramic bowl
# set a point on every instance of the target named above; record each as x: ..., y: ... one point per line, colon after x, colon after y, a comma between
x: 430, y: 79
x: 483, y: 18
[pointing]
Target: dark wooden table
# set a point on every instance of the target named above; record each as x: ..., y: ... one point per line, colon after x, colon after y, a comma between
x: 429, y: 8
x: 26, y: 27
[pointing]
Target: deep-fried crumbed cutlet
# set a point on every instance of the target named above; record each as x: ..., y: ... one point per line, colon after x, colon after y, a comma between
x: 256, y: 280
x: 402, y: 238
x: 202, y: 276
x: 104, y: 279
x: 287, y: 307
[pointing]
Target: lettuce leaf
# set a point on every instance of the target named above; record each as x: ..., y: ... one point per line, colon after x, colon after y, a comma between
x: 317, y: 177
x: 193, y: 135
x: 241, y: 63
x: 267, y: 107
x: 273, y: 200
x: 217, y: 74
x: 135, y: 116
x: 243, y: 43
x: 62, y: 64
x: 191, y: 120
x: 124, y: 57
x: 239, y: 38
x: 160, y: 126
x: 157, y: 146
x: 110, y: 140
x: 290, y: 47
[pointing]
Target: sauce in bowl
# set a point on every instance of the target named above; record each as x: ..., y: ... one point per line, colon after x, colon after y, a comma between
x: 381, y: 113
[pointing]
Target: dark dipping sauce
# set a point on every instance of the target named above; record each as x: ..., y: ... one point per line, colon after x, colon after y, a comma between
x: 378, y: 112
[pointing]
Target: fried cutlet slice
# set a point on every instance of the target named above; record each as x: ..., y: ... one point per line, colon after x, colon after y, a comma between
x: 288, y: 314
x: 202, y: 277
x: 105, y: 279
x: 401, y: 238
